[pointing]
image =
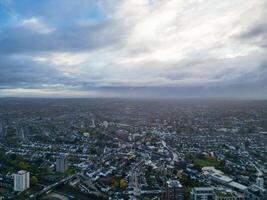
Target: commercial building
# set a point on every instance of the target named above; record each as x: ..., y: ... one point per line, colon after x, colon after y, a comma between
x: 218, y: 176
x: 21, y: 181
x: 227, y: 195
x: 256, y: 191
x: 202, y: 193
x: 212, y: 193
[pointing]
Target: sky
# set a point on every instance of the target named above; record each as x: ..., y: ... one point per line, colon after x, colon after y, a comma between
x: 133, y: 48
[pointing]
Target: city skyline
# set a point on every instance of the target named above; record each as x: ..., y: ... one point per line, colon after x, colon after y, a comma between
x: 135, y: 48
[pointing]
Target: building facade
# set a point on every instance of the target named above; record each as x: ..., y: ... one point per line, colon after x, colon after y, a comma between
x: 226, y: 195
x: 202, y: 193
x: 21, y: 181
x: 214, y: 193
x: 256, y: 191
x: 174, y: 190
x: 260, y: 182
x: 61, y: 164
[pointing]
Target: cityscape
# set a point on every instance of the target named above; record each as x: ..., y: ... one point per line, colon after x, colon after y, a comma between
x: 133, y: 100
x: 133, y: 149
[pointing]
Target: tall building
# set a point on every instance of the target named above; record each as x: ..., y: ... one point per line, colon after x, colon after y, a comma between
x: 137, y: 190
x: 260, y: 182
x: 21, y: 181
x: 202, y: 193
x: 61, y: 164
x: 174, y: 190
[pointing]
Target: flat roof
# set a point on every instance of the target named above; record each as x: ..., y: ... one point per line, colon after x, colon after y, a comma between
x: 203, y: 188
x: 222, y: 177
x: 238, y: 185
x: 174, y: 183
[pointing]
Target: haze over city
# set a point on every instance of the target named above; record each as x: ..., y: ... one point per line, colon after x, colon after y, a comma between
x: 133, y: 48
x: 133, y: 99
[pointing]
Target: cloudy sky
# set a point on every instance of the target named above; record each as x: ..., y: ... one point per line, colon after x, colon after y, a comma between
x: 133, y: 48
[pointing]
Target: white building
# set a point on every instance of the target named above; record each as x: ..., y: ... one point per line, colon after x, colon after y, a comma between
x: 61, y: 164
x: 260, y: 182
x: 219, y: 177
x: 21, y: 181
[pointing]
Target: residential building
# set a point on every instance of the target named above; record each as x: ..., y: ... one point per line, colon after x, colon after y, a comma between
x: 174, y: 190
x: 61, y: 164
x: 21, y: 181
x: 260, y: 182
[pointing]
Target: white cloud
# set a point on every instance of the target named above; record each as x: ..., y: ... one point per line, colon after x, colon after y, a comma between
x: 35, y: 24
x: 162, y: 37
x: 45, y: 92
x: 68, y: 63
x: 174, y: 43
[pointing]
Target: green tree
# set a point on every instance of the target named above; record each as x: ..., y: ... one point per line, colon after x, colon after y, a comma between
x: 34, y: 180
x: 23, y: 165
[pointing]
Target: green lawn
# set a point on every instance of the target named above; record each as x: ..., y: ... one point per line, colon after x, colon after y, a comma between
x: 202, y: 162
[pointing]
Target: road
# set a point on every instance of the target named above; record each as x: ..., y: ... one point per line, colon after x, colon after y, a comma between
x: 49, y: 188
x: 174, y: 155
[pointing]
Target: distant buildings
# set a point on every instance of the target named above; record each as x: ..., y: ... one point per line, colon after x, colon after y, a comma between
x: 21, y: 181
x: 61, y: 164
x: 211, y: 193
x: 174, y: 190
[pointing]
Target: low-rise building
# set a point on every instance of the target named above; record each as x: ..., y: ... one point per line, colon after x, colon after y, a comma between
x: 226, y: 195
x: 202, y: 193
x: 255, y: 193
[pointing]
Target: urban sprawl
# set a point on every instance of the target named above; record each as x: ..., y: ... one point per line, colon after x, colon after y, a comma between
x: 133, y: 149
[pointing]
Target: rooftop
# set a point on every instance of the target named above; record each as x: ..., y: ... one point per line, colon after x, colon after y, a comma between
x: 174, y: 183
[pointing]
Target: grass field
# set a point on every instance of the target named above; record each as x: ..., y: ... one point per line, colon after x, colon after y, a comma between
x: 203, y: 162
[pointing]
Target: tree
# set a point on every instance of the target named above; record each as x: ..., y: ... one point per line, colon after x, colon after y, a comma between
x: 114, y: 182
x: 13, y: 156
x: 34, y: 180
x: 23, y: 165
x: 38, y: 161
x: 123, y: 184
